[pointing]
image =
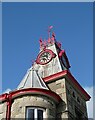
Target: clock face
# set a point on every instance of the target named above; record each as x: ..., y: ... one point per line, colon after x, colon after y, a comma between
x: 45, y: 57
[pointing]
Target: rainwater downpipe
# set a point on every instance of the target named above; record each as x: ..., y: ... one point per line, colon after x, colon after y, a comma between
x: 9, y: 103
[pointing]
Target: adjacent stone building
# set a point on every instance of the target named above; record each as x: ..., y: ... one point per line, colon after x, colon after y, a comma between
x: 48, y: 90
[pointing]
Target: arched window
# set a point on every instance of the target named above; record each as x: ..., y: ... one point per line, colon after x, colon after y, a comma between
x: 33, y: 113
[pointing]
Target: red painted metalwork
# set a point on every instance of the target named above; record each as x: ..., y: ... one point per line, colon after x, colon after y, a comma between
x: 53, y: 38
x: 50, y: 27
x: 67, y: 74
x: 59, y: 45
x: 49, y: 40
x: 8, y: 98
x: 53, y: 34
x: 3, y: 97
x: 37, y: 91
x: 49, y: 30
x: 55, y: 76
x: 45, y: 50
x: 9, y: 103
x: 62, y: 53
x: 45, y: 43
x: 41, y: 42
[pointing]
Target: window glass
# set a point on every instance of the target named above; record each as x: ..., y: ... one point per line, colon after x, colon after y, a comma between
x: 40, y: 114
x: 33, y: 113
x: 30, y: 114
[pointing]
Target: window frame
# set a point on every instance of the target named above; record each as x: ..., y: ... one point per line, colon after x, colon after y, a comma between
x: 35, y: 111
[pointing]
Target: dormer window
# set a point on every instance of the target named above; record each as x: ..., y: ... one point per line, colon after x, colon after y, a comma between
x: 33, y: 113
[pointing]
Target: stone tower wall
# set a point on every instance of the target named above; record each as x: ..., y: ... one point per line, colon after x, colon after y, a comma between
x: 59, y: 88
x: 75, y: 100
x: 19, y: 105
x: 71, y: 99
x: 3, y: 108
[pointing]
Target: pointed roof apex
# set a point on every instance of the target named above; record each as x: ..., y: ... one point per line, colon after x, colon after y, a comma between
x: 32, y: 80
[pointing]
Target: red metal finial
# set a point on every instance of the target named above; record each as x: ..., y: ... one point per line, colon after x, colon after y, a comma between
x: 59, y: 44
x: 53, y: 37
x: 50, y: 27
x: 53, y: 34
x: 41, y: 42
x: 45, y: 43
x: 49, y: 30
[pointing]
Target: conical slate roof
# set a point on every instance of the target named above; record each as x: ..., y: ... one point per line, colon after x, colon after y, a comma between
x: 32, y: 80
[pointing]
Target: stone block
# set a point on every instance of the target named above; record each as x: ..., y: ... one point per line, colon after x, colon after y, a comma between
x: 60, y: 90
x: 3, y: 107
x: 59, y: 81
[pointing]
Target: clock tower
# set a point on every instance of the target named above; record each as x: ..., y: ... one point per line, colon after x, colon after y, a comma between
x: 48, y: 89
x: 53, y: 66
x: 51, y: 58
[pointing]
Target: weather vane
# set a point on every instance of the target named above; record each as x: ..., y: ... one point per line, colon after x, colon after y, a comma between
x: 49, y: 30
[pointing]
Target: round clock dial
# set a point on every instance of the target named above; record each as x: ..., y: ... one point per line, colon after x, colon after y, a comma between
x: 45, y: 57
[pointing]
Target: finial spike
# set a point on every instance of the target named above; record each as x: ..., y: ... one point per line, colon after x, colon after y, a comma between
x: 53, y: 34
x: 41, y: 42
x: 49, y: 30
